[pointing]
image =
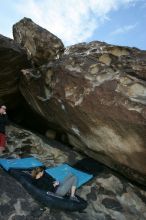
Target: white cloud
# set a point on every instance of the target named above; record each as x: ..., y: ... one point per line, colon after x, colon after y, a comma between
x: 72, y: 21
x: 124, y: 29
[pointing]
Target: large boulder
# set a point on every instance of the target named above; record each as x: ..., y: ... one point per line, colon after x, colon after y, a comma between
x: 13, y: 58
x: 41, y: 45
x: 95, y: 93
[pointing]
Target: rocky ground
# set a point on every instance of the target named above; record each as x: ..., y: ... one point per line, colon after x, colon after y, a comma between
x: 109, y: 196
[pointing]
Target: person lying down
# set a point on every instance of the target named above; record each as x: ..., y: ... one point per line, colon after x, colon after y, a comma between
x: 48, y: 183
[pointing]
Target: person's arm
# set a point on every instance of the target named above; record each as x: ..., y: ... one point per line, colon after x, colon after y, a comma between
x: 52, y: 180
x: 49, y: 177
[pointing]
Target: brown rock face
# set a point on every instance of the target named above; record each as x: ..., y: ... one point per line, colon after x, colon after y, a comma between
x: 41, y: 45
x: 12, y: 59
x: 95, y: 93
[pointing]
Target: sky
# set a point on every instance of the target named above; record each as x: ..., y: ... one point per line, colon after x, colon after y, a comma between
x: 119, y: 22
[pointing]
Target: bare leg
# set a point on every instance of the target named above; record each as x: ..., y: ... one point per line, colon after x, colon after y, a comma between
x: 68, y: 185
x: 73, y: 190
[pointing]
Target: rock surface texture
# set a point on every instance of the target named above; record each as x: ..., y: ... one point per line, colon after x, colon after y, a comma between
x: 13, y: 58
x: 96, y: 94
x: 109, y: 197
x: 41, y: 45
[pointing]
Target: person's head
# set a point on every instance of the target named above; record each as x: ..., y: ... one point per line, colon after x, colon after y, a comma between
x: 3, y: 109
x: 37, y: 170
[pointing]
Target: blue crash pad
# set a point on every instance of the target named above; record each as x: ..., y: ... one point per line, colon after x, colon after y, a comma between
x: 60, y: 172
x: 24, y: 163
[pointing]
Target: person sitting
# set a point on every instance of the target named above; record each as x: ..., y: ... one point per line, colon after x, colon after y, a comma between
x: 48, y: 183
